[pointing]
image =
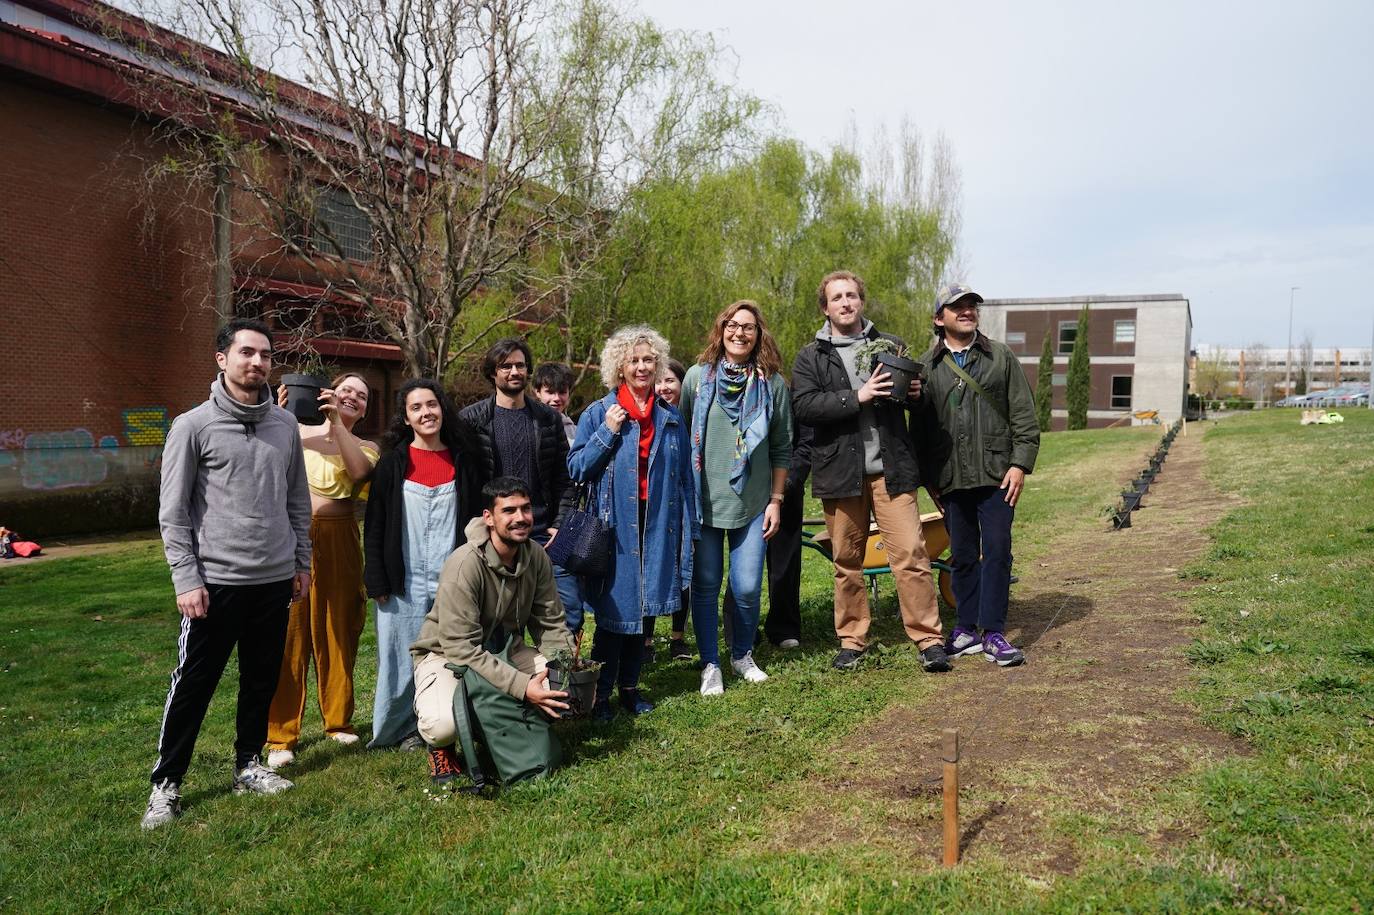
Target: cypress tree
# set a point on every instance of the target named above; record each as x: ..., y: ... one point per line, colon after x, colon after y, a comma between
x: 1044, y: 385
x: 1080, y: 378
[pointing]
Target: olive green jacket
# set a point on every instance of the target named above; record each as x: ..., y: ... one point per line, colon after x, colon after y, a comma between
x: 962, y: 441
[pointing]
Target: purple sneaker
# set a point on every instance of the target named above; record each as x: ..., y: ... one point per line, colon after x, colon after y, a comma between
x: 963, y: 641
x: 996, y: 648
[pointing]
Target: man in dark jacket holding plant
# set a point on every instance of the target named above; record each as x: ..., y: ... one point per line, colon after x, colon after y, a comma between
x: 862, y: 459
x: 977, y: 438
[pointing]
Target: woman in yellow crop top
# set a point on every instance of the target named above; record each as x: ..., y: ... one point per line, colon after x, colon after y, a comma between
x: 327, y: 622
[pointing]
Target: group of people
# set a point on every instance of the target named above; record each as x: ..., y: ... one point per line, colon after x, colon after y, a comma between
x: 259, y: 518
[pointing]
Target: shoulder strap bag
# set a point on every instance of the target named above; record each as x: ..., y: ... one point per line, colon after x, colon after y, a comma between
x: 978, y: 389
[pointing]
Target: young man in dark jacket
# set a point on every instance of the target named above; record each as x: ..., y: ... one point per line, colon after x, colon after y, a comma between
x: 235, y: 516
x: 977, y: 438
x: 519, y: 436
x: 862, y: 459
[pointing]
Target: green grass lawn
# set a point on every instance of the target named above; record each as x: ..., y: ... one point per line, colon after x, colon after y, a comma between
x: 667, y: 812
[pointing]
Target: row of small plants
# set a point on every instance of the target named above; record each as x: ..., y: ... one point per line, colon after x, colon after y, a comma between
x: 1130, y: 498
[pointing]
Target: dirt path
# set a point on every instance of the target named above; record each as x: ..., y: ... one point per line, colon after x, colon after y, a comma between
x: 83, y: 545
x: 1088, y: 726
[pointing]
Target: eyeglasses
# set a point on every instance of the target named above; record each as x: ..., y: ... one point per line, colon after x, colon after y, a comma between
x: 732, y: 327
x: 510, y: 367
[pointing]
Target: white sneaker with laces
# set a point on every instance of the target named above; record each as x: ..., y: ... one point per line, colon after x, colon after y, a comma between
x: 344, y: 738
x: 712, y: 684
x: 164, y: 805
x: 747, y: 669
x: 255, y: 778
x: 277, y: 759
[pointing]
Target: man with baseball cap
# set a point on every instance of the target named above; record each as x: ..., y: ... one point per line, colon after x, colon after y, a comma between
x: 976, y: 438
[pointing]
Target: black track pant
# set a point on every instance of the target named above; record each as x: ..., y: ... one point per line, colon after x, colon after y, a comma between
x: 253, y: 617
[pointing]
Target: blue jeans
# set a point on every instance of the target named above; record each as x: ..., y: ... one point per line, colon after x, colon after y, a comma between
x: 979, y: 521
x: 747, y: 550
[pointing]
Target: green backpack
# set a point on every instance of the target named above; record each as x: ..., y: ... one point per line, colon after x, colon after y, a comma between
x: 517, y: 736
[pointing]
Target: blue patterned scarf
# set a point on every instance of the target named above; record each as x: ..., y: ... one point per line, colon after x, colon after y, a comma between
x: 744, y: 395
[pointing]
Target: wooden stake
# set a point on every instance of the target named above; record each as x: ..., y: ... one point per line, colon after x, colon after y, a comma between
x: 951, y: 760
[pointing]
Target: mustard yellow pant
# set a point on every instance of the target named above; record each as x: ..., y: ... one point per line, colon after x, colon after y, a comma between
x: 325, y: 624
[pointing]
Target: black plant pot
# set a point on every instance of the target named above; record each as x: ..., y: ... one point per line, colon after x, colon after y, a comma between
x: 580, y: 685
x: 303, y: 397
x: 1131, y: 500
x: 1121, y: 519
x: 902, y: 370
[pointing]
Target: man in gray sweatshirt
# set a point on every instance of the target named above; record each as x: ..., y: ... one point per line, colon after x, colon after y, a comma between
x: 235, y: 518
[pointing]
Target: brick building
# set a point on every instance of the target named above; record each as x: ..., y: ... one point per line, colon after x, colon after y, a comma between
x: 1138, y: 349
x: 111, y: 286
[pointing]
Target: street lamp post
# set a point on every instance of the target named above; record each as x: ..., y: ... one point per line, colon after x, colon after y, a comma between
x: 1288, y: 363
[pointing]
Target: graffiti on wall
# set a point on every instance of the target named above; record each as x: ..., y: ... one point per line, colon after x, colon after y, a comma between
x: 146, y: 425
x: 76, y: 457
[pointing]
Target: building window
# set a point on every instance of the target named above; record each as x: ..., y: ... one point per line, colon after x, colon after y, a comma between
x: 1124, y: 332
x: 1016, y: 339
x: 1059, y: 380
x: 339, y: 218
x: 1121, y: 392
x: 1068, y: 330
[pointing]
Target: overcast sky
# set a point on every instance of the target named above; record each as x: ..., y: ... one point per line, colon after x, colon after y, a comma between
x: 1222, y: 150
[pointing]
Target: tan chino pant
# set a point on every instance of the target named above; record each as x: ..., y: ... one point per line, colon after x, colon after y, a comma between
x: 899, y: 522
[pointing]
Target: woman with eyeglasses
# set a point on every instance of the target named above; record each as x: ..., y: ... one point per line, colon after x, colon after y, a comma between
x: 327, y: 622
x: 739, y: 411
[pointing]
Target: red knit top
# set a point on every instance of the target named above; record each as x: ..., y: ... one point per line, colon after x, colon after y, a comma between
x: 429, y: 468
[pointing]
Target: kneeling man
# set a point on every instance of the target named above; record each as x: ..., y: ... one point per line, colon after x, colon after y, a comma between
x: 491, y: 589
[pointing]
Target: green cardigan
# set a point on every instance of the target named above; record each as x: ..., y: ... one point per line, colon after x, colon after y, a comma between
x: 720, y: 506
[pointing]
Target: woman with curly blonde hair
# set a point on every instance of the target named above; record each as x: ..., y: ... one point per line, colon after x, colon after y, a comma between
x: 631, y: 450
x: 739, y: 410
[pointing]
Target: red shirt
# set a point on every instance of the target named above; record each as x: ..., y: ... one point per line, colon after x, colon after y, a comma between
x: 429, y: 468
x: 646, y: 434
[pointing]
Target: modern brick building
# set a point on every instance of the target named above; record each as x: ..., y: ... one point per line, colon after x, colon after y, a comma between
x: 1138, y: 349
x: 111, y: 285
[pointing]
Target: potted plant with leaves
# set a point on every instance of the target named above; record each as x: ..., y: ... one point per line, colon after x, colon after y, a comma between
x: 892, y: 356
x: 303, y: 388
x: 569, y: 672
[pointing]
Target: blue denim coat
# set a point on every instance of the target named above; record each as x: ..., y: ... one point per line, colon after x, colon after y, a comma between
x: 647, y: 582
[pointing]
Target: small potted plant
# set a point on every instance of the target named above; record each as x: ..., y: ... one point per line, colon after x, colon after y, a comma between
x: 569, y: 672
x: 892, y: 357
x: 303, y: 388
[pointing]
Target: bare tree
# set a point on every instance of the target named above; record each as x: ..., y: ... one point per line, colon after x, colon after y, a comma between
x: 1258, y: 372
x: 417, y: 159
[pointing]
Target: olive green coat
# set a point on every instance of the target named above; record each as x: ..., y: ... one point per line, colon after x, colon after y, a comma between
x: 962, y: 441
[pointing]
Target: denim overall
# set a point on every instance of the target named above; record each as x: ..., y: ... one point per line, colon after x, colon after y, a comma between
x: 426, y: 542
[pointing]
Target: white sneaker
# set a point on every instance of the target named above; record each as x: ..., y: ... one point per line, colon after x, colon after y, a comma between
x: 255, y: 778
x: 712, y: 684
x: 789, y: 644
x: 747, y: 669
x: 277, y: 759
x: 164, y: 805
x: 344, y: 738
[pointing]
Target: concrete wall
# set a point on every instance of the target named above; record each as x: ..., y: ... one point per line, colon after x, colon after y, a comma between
x: 1157, y: 361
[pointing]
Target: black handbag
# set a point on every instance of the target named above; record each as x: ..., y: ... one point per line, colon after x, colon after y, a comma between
x: 584, y: 542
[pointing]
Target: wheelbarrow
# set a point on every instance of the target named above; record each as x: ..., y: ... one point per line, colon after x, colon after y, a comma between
x: 875, y: 555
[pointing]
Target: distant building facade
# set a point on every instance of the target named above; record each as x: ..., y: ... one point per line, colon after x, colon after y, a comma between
x: 1138, y: 349
x: 1265, y: 370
